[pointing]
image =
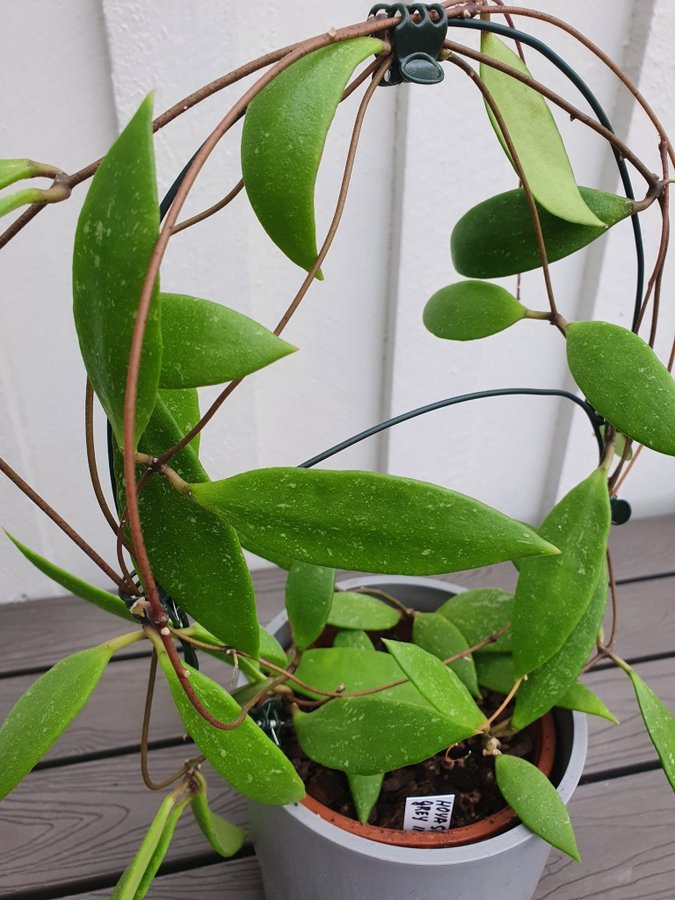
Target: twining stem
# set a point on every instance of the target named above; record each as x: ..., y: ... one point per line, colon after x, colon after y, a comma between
x: 145, y: 771
x: 91, y: 458
x: 495, y: 715
x: 376, y: 592
x: 212, y: 210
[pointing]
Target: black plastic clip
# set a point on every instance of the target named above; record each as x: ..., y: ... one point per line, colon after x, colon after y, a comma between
x: 417, y: 42
x: 621, y: 511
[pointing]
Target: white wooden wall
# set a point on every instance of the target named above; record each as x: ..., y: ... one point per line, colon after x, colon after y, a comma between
x: 73, y: 71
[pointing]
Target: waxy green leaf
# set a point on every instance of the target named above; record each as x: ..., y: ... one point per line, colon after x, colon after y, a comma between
x: 360, y: 612
x: 480, y: 613
x: 115, y: 238
x: 355, y: 640
x: 625, y: 381
x: 24, y: 197
x: 309, y: 594
x: 535, y: 136
x: 245, y: 757
x: 497, y: 237
x: 536, y: 802
x: 225, y: 838
x: 495, y: 672
x: 373, y: 734
x: 106, y: 601
x: 206, y: 343
x: 365, y: 789
x: 435, y: 634
x: 551, y: 598
x: 46, y: 709
x: 659, y: 722
x: 583, y: 699
x: 546, y: 685
x: 283, y: 139
x: 470, y: 310
x: 366, y: 521
x: 183, y: 406
x: 12, y: 170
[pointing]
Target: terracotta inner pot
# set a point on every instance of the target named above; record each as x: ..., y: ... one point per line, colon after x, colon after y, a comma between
x: 544, y: 741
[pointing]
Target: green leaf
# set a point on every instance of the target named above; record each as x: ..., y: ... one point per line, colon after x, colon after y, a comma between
x: 25, y: 197
x: 116, y: 234
x: 365, y: 789
x: 366, y: 521
x: 12, y: 170
x: 269, y: 647
x: 625, y: 381
x: 244, y: 757
x: 195, y: 555
x: 480, y: 613
x: 659, y: 723
x: 309, y: 594
x: 356, y: 640
x: 495, y: 672
x: 620, y: 441
x: 283, y: 139
x: 551, y: 598
x: 206, y: 343
x: 225, y: 838
x: 583, y: 699
x: 497, y: 238
x: 183, y: 406
x: 536, y: 802
x: 439, y: 684
x: 106, y: 601
x: 373, y: 734
x: 534, y: 135
x: 546, y: 685
x: 360, y: 612
x: 470, y: 310
x: 435, y: 634
x: 47, y: 708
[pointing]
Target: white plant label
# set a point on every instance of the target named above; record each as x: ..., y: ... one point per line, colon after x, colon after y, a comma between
x: 428, y: 813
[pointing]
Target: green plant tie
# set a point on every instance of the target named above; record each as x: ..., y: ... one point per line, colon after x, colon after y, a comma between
x: 417, y: 41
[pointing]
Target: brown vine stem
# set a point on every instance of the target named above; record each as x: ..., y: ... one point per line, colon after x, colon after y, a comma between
x: 376, y: 592
x: 212, y: 210
x: 147, y: 712
x: 346, y: 178
x: 495, y: 715
x: 91, y: 458
x: 68, y: 529
x: 615, y: 606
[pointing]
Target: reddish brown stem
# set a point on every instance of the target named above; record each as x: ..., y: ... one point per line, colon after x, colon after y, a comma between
x: 91, y: 458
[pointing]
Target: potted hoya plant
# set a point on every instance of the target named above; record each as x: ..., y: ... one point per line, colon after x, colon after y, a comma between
x: 393, y: 725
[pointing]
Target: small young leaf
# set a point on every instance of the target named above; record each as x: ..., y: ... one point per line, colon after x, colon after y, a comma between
x: 116, y: 234
x: 225, y: 838
x: 283, y: 138
x: 244, y: 757
x: 103, y: 599
x: 583, y: 699
x: 551, y: 598
x: 309, y: 594
x: 183, y: 406
x: 366, y: 521
x: 535, y: 136
x: 206, y: 343
x: 12, y: 170
x: 353, y: 640
x: 360, y: 612
x: 435, y: 634
x: 625, y: 381
x: 365, y: 789
x: 25, y: 197
x: 536, y: 802
x: 495, y: 672
x: 497, y: 238
x: 44, y: 712
x: 480, y: 613
x: 659, y: 723
x: 373, y: 734
x: 470, y: 310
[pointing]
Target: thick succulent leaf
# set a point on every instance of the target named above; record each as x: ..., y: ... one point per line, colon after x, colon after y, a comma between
x: 160, y: 851
x: 283, y: 139
x: 25, y: 197
x: 12, y: 170
x: 534, y: 135
x: 536, y: 802
x: 437, y: 683
x: 365, y: 789
x: 625, y: 381
x: 355, y: 640
x: 360, y: 612
x: 106, y: 601
x: 497, y: 238
x: 309, y: 594
x: 551, y: 598
x: 547, y: 684
x: 480, y: 613
x: 47, y: 708
x: 470, y: 310
x: 183, y: 406
x: 659, y: 723
x: 244, y: 757
x: 435, y: 634
x: 373, y: 734
x: 116, y: 234
x: 206, y: 343
x: 225, y: 838
x: 495, y: 672
x: 367, y: 521
x: 583, y: 699
x: 195, y: 555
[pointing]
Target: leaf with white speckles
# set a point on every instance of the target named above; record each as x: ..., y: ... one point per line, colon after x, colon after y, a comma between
x: 435, y: 634
x: 365, y: 789
x: 350, y: 609
x: 659, y: 723
x: 225, y: 838
x: 183, y: 405
x: 309, y: 594
x: 478, y: 614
